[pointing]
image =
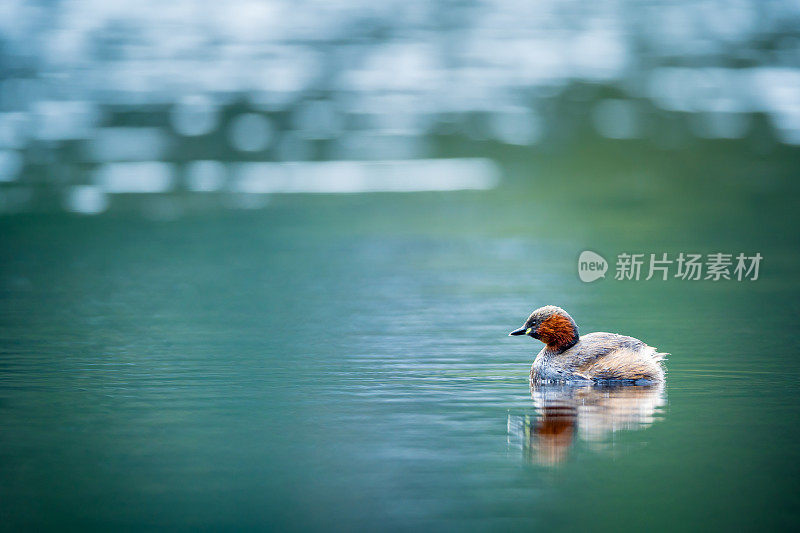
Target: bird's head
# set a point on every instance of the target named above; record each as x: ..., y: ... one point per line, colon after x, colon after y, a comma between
x: 551, y: 325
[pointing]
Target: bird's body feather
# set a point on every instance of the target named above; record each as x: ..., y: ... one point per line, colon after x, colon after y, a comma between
x: 600, y: 357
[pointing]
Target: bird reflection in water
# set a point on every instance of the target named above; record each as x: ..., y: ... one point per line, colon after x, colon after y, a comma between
x: 589, y: 413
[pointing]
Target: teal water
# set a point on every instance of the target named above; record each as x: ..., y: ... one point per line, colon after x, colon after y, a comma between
x: 341, y: 362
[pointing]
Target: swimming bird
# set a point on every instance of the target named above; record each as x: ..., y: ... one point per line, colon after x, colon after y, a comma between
x: 598, y: 357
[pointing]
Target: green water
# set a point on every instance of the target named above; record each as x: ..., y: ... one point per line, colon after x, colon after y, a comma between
x: 341, y: 362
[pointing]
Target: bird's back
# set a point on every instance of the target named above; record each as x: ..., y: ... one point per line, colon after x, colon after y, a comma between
x: 611, y: 357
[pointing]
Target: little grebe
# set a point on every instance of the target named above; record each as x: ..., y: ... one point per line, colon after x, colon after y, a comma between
x: 599, y: 357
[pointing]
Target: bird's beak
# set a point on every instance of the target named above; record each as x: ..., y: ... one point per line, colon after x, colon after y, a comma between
x: 521, y: 331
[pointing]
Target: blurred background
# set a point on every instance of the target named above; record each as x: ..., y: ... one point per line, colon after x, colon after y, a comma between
x: 177, y: 101
x: 258, y: 262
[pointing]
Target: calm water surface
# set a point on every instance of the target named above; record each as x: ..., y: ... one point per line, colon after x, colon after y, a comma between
x: 340, y: 363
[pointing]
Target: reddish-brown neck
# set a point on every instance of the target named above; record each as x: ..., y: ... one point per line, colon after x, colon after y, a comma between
x: 558, y: 333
